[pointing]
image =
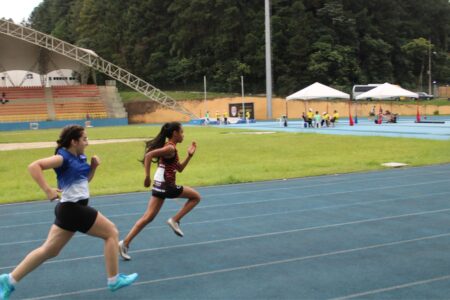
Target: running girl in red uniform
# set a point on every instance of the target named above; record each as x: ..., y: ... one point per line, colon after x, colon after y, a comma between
x: 165, y: 154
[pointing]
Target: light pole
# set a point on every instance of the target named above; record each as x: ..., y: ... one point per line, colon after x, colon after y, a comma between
x: 268, y: 61
x: 430, y: 53
x: 429, y: 67
x: 243, y: 102
x: 204, y: 93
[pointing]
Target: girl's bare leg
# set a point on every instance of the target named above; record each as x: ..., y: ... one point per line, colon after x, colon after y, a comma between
x: 105, y: 229
x: 193, y: 199
x: 56, y: 240
x: 154, y: 205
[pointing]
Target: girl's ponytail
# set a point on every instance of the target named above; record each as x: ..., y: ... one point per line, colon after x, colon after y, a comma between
x: 159, y: 141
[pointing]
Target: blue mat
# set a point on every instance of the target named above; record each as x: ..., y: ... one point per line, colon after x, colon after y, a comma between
x: 405, y: 128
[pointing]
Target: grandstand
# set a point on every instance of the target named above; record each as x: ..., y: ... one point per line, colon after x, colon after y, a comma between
x: 25, y: 104
x: 78, y: 102
x: 55, y: 103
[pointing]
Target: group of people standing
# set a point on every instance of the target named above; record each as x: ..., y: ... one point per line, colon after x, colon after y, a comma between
x: 72, y: 212
x: 315, y: 120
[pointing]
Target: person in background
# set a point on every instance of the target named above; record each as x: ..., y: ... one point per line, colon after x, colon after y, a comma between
x: 305, y: 120
x: 218, y: 118
x: 335, y: 118
x: 247, y: 117
x: 3, y: 98
x: 310, y: 116
x: 207, y: 118
x: 372, y: 112
x: 317, y: 119
x: 325, y: 119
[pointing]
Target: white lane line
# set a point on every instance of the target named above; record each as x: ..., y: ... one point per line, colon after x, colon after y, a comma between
x: 392, y: 288
x: 125, y: 202
x: 261, y: 201
x: 252, y: 266
x: 250, y: 216
x: 290, y: 180
x: 249, y: 236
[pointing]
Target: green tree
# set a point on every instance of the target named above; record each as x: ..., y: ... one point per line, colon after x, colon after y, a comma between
x: 417, y: 50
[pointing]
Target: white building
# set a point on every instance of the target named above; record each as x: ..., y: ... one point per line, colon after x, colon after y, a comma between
x: 26, y: 78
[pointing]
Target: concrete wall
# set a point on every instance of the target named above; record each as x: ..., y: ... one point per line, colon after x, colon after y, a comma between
x: 150, y: 112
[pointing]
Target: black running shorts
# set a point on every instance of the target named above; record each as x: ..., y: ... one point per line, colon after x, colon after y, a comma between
x: 75, y: 216
x: 173, y: 191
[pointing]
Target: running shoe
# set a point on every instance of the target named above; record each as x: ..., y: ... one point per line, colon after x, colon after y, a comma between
x: 123, y: 251
x: 175, y: 227
x: 5, y: 287
x: 122, y: 281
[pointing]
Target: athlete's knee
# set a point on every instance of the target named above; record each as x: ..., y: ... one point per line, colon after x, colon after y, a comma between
x: 114, y: 232
x: 49, y: 251
x: 147, y: 218
x: 196, y: 198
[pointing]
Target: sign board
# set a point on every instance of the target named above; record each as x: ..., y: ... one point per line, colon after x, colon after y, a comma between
x: 235, y: 110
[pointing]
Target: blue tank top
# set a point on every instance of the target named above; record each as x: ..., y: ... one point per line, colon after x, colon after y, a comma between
x: 72, y: 176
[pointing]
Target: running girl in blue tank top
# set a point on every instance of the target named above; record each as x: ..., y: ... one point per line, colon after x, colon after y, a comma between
x: 72, y: 212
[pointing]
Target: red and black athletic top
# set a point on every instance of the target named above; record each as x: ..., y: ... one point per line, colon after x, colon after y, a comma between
x: 170, y: 166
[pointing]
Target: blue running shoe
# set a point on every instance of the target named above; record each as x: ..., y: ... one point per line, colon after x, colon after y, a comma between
x: 5, y: 287
x: 122, y: 281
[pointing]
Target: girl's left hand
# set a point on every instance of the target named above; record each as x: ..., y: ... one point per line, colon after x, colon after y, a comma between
x: 192, y: 149
x: 95, y: 161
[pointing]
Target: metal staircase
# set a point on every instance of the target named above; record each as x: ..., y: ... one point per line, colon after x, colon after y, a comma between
x: 90, y: 59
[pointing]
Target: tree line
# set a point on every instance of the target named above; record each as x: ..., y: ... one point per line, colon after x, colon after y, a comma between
x: 173, y: 44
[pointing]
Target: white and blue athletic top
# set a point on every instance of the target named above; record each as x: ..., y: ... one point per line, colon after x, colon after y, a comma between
x: 72, y: 176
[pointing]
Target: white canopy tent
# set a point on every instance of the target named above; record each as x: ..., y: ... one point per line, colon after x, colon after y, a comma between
x: 387, y: 91
x: 318, y: 91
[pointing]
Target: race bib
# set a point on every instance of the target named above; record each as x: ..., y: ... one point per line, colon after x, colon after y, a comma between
x: 158, y: 179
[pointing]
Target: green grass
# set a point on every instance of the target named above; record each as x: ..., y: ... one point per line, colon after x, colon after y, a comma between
x: 224, y: 156
x: 96, y: 133
x: 128, y: 96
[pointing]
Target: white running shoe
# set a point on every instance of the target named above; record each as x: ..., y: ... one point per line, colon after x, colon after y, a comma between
x: 123, y: 251
x: 175, y: 227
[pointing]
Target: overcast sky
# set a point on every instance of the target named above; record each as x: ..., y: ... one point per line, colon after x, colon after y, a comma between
x: 17, y: 9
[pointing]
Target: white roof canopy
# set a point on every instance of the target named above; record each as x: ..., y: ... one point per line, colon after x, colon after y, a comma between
x: 318, y: 91
x: 386, y: 91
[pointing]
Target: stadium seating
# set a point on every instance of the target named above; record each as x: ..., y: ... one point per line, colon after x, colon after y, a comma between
x: 76, y: 91
x: 69, y: 103
x: 76, y: 102
x: 25, y: 104
x: 13, y: 93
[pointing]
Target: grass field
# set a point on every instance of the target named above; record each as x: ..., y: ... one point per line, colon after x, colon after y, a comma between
x: 224, y: 156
